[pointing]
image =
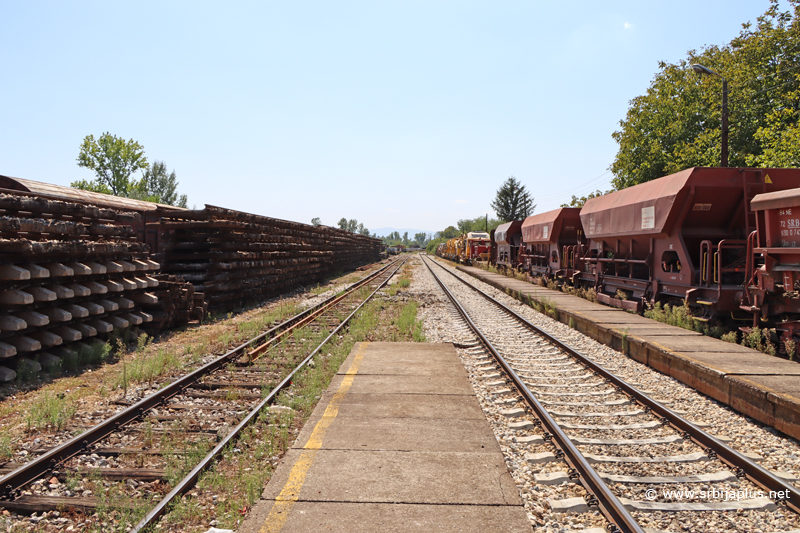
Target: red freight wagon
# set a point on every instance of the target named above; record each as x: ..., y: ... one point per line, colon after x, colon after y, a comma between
x: 774, y: 271
x: 547, y: 238
x: 680, y: 237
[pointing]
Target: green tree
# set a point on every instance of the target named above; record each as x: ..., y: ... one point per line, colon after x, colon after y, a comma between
x: 479, y: 223
x: 513, y: 202
x: 450, y: 232
x: 352, y: 225
x: 158, y: 186
x: 113, y: 160
x: 316, y: 221
x: 93, y: 185
x: 433, y: 244
x: 578, y: 202
x: 420, y: 238
x: 677, y: 123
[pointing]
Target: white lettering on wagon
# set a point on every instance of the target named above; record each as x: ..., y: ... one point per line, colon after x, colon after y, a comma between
x: 648, y: 217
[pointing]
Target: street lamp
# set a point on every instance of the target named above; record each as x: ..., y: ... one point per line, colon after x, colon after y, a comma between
x: 700, y: 69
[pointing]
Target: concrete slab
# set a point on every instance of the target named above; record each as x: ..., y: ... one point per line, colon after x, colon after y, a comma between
x: 393, y: 445
x: 417, y: 365
x: 407, y: 434
x: 401, y: 477
x: 439, y: 406
x: 747, y: 364
x: 788, y: 385
x: 649, y: 330
x: 389, y: 384
x: 402, y: 518
x: 707, y: 345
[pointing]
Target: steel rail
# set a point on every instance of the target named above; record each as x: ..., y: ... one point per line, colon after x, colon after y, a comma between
x: 320, y: 308
x: 190, y: 480
x: 31, y: 470
x: 743, y: 465
x: 609, y: 504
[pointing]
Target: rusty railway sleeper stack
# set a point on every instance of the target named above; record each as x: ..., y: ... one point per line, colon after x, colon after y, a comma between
x: 229, y: 255
x: 69, y: 274
x: 177, y: 303
x: 198, y: 415
x: 577, y: 405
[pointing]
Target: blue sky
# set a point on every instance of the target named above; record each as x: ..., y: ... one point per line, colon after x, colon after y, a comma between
x: 401, y: 114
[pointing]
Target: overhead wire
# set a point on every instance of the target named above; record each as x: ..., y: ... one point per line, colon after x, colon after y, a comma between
x: 591, y: 184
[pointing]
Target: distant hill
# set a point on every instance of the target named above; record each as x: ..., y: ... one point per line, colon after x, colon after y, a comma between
x: 383, y: 232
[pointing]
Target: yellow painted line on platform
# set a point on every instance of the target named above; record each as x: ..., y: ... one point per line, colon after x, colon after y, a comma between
x: 291, y: 490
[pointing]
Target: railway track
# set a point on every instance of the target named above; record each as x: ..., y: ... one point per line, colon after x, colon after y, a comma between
x: 191, y: 420
x: 581, y: 424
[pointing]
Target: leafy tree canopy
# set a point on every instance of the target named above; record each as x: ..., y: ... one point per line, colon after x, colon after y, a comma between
x: 479, y: 223
x: 93, y: 185
x: 316, y: 221
x: 421, y: 238
x: 114, y: 160
x: 158, y: 186
x: 449, y: 232
x: 513, y: 202
x: 430, y: 249
x: 677, y: 124
x: 352, y: 225
x: 578, y: 202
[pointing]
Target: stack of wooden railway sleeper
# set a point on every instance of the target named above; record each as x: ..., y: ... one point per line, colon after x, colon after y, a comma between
x: 69, y: 273
x: 232, y: 256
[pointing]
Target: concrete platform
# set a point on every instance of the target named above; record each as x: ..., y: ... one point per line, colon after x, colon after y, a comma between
x: 397, y: 443
x: 763, y: 387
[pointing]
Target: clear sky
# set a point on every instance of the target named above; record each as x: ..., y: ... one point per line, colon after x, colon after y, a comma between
x: 407, y: 114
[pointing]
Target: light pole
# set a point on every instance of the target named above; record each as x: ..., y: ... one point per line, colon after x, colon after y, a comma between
x: 700, y: 69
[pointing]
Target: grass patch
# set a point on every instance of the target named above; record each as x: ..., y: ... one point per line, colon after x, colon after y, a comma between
x: 550, y: 308
x: 50, y: 409
x: 319, y: 289
x: 407, y: 323
x: 682, y: 317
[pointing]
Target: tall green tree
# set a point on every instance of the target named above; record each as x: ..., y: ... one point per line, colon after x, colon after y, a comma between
x: 113, y: 161
x: 352, y: 225
x: 677, y: 123
x: 513, y: 202
x: 157, y: 185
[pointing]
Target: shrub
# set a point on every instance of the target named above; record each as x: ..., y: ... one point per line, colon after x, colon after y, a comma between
x: 791, y: 347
